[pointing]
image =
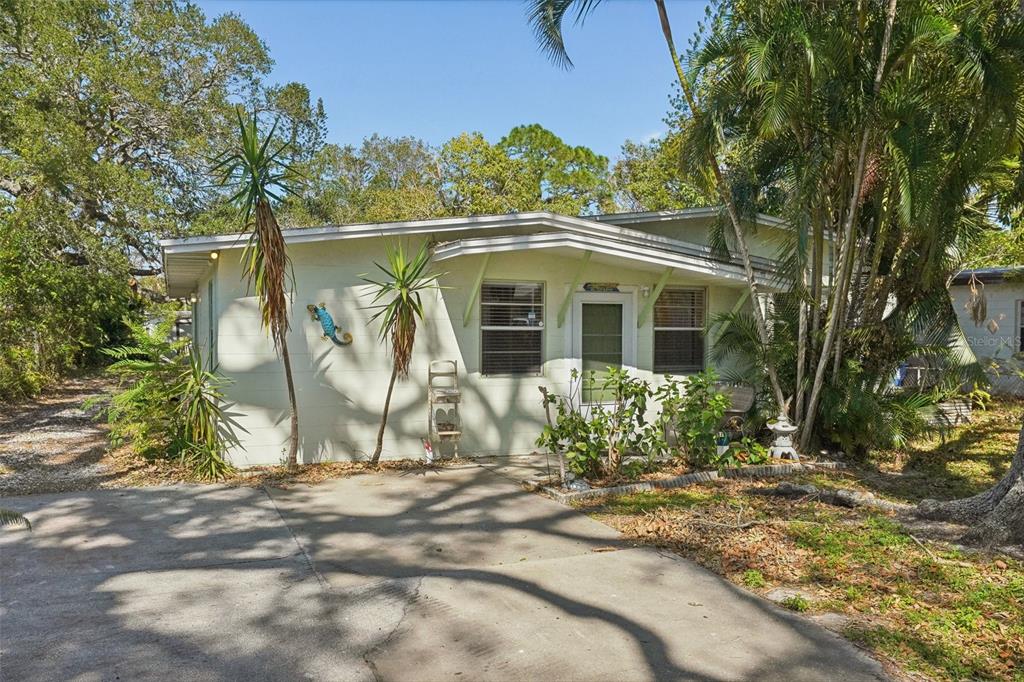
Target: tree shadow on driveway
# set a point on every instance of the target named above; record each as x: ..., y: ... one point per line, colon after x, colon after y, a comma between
x: 383, y: 576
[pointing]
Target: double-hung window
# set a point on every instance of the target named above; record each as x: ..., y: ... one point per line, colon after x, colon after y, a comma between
x: 679, y: 316
x: 511, y: 327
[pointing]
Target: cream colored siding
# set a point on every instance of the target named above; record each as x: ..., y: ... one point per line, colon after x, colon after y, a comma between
x: 764, y: 241
x: 341, y: 389
x: 201, y: 316
x: 1002, y: 340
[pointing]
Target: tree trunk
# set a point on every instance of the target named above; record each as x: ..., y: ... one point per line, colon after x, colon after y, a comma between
x: 384, y: 418
x: 734, y: 217
x: 293, y: 437
x: 846, y: 253
x: 996, y: 516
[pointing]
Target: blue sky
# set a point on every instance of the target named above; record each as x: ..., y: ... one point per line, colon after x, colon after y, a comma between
x: 433, y: 69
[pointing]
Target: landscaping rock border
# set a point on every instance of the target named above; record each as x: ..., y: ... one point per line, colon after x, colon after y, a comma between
x: 760, y: 471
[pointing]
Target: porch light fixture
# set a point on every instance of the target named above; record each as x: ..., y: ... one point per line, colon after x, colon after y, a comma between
x: 645, y: 291
x: 192, y: 297
x: 214, y: 255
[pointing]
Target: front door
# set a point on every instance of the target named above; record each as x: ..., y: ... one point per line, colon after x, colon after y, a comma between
x: 604, y: 336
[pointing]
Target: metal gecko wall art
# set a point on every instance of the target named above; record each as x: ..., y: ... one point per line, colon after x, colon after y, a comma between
x: 319, y: 314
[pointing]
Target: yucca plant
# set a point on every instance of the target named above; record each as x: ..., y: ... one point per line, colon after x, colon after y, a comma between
x: 9, y: 517
x: 257, y: 171
x: 167, y: 405
x: 397, y: 299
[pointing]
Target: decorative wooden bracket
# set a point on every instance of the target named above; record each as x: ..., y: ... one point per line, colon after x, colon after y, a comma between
x: 567, y: 301
x: 474, y: 293
x: 655, y: 293
x: 740, y: 301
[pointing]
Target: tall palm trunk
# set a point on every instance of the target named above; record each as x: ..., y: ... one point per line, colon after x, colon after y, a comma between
x: 293, y: 436
x: 384, y: 418
x: 730, y: 205
x: 840, y: 289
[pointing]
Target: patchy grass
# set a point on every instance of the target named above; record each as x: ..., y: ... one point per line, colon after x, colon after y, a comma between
x: 754, y: 578
x: 796, y: 603
x: 960, y: 463
x: 682, y: 498
x: 924, y: 606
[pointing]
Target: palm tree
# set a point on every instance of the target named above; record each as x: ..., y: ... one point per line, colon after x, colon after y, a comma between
x: 547, y: 17
x: 397, y: 299
x: 260, y: 176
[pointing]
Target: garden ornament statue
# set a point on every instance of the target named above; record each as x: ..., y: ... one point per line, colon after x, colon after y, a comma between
x: 782, y: 446
x: 319, y: 313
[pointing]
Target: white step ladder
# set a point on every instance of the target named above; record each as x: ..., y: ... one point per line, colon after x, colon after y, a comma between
x: 443, y: 398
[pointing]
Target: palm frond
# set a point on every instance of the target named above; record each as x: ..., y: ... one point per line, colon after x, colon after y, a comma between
x: 546, y: 17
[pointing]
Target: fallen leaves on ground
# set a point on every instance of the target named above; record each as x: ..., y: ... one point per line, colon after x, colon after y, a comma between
x: 926, y: 606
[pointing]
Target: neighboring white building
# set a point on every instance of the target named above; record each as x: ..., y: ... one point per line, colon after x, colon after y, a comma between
x: 526, y: 298
x: 999, y: 335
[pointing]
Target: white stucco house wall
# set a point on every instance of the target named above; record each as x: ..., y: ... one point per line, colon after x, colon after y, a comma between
x: 998, y: 337
x: 525, y: 298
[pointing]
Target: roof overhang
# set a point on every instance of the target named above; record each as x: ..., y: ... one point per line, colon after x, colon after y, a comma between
x: 690, y: 258
x: 1013, y: 274
x: 681, y: 214
x: 185, y: 261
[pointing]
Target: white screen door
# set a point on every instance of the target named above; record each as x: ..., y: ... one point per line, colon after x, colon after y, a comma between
x: 604, y: 335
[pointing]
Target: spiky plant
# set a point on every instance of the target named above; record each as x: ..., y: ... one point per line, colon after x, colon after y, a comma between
x: 167, y: 405
x: 257, y: 171
x: 9, y: 517
x: 398, y: 301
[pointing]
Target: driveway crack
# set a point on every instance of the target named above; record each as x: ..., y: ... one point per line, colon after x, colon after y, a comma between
x: 413, y: 598
x: 324, y: 585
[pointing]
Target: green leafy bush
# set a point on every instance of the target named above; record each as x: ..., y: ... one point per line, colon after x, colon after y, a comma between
x: 167, y: 405
x: 595, y: 438
x: 858, y: 417
x: 54, y: 318
x: 745, y: 451
x: 694, y: 409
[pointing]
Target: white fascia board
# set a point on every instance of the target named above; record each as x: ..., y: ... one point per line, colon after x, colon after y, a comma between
x: 658, y: 216
x: 614, y: 248
x: 586, y: 226
x: 360, y: 231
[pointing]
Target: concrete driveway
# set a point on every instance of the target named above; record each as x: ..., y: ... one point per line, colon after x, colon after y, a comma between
x: 449, y: 575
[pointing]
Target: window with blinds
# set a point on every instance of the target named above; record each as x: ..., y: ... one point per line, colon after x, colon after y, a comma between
x: 511, y: 327
x: 679, y: 316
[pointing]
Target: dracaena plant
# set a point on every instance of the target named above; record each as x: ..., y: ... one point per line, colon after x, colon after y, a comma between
x: 256, y: 170
x: 397, y: 299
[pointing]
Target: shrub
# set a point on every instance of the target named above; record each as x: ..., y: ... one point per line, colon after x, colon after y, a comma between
x: 167, y: 405
x: 695, y: 409
x: 746, y: 451
x: 596, y: 437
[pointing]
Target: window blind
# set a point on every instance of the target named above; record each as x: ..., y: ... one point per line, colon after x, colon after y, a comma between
x: 679, y: 319
x: 511, y: 327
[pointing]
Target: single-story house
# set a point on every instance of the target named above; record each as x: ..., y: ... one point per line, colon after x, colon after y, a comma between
x: 998, y: 336
x: 526, y: 297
